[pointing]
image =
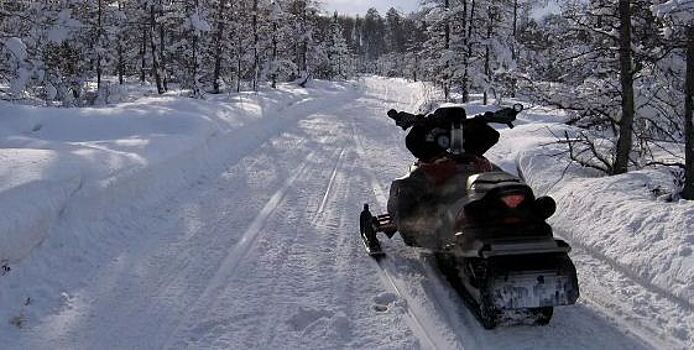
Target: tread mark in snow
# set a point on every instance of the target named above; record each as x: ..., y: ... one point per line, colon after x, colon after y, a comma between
x: 414, y: 320
x: 650, y: 336
x: 328, y: 189
x: 244, y: 246
x: 231, y: 262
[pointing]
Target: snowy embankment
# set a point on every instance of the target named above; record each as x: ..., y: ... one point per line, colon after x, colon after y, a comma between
x: 624, y: 219
x: 84, y: 162
x: 627, y: 221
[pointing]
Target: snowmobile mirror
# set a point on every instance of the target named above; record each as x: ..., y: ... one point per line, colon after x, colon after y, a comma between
x: 393, y: 114
x: 504, y: 116
x: 545, y: 207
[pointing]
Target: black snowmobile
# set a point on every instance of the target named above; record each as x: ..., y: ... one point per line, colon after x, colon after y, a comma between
x: 486, y: 228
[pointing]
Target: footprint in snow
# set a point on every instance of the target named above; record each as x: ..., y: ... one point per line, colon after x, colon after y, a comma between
x: 383, y: 300
x: 306, y: 316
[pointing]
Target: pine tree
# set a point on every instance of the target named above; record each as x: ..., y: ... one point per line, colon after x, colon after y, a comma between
x: 338, y: 51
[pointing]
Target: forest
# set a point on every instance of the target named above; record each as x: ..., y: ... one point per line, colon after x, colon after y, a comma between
x: 619, y: 67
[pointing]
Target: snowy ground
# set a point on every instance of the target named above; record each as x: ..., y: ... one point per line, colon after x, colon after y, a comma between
x: 231, y: 223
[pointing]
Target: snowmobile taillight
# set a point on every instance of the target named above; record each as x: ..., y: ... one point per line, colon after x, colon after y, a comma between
x: 513, y: 201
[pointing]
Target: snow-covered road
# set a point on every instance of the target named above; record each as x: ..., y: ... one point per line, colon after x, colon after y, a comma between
x: 265, y: 254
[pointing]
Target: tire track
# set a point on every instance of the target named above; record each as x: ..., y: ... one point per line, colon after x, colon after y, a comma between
x: 253, y: 232
x: 269, y: 332
x: 418, y: 321
x: 243, y: 247
x: 328, y: 189
x: 611, y: 279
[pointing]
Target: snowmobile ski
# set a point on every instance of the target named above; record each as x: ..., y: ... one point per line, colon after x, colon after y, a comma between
x: 375, y: 250
x: 368, y: 233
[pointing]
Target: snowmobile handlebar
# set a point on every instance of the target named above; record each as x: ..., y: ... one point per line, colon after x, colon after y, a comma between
x: 503, y: 116
x: 448, y: 116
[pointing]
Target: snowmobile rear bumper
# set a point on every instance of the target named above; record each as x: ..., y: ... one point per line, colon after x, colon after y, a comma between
x: 541, y: 246
x: 532, y: 281
x: 526, y: 246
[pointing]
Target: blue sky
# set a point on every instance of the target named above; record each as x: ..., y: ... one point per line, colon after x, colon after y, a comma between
x: 353, y: 7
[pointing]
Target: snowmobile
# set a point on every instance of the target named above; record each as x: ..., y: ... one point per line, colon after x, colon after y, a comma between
x: 487, y: 229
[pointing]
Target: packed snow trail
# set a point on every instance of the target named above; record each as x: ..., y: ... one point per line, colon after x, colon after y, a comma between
x: 266, y: 254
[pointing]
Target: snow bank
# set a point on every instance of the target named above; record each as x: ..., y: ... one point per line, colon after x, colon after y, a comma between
x: 625, y: 219
x: 84, y: 162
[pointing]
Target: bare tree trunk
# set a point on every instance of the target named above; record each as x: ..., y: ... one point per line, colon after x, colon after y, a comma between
x: 219, y: 35
x: 155, y: 63
x: 194, y: 68
x: 468, y: 43
x: 304, y: 45
x: 238, y: 64
x: 487, y: 56
x: 119, y: 49
x: 515, y: 18
x: 274, y: 53
x: 297, y: 58
x: 447, y: 46
x: 304, y: 52
x: 688, y: 192
x: 624, y: 142
x: 98, y: 42
x: 194, y: 73
x: 514, y: 53
x: 162, y: 49
x: 143, y: 55
x: 255, y: 45
x: 121, y: 64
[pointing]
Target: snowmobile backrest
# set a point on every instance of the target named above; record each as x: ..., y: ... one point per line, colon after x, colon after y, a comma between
x: 487, y: 188
x: 499, y: 198
x: 485, y: 182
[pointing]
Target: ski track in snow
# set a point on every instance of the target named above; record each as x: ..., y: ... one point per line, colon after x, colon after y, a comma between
x: 242, y: 248
x: 266, y: 254
x: 423, y: 328
x: 328, y: 189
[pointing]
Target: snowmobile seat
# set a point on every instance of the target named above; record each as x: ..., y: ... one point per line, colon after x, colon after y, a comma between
x: 500, y: 205
x: 492, y: 184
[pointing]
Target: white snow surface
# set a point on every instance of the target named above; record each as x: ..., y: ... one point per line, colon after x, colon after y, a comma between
x: 17, y: 48
x: 680, y: 11
x: 231, y: 223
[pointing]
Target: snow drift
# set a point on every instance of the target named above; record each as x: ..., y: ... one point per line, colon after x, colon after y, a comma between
x: 626, y: 219
x: 85, y: 161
